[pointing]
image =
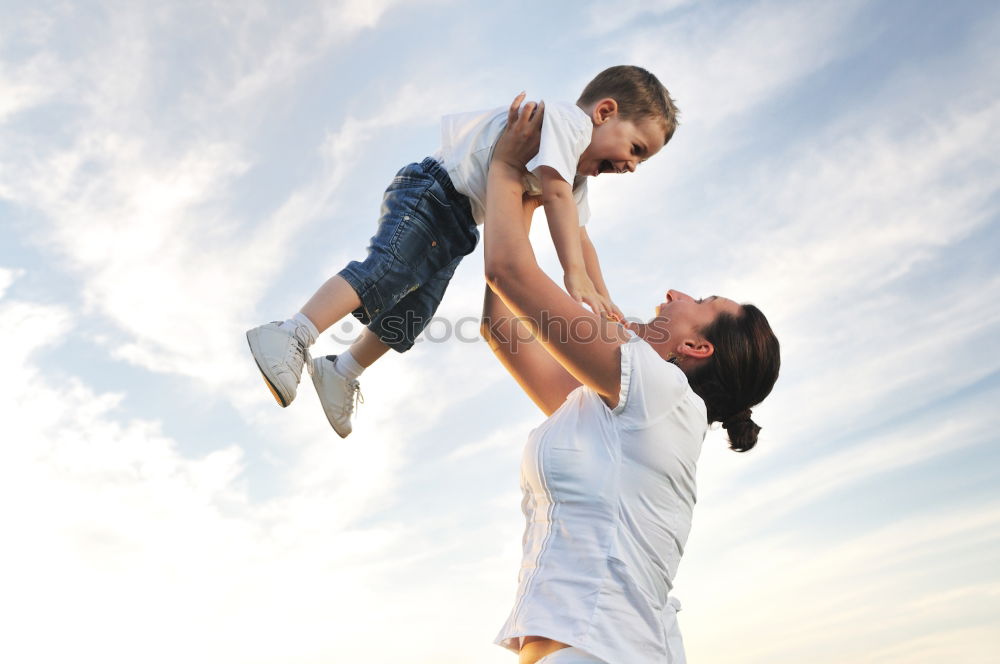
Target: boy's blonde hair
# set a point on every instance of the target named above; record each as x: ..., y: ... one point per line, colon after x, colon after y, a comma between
x: 639, y: 94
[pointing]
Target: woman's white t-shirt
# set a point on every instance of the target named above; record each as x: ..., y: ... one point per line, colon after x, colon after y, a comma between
x: 608, y: 497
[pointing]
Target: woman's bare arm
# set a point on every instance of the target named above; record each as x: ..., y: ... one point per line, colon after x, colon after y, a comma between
x: 542, y: 378
x: 585, y: 344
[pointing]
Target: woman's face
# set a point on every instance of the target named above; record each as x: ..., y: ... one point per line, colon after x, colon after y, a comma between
x: 682, y: 317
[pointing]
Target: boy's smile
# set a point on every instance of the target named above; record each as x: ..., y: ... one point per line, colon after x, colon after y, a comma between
x: 619, y: 146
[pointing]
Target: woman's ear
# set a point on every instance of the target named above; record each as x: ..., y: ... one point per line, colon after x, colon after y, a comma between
x: 698, y: 349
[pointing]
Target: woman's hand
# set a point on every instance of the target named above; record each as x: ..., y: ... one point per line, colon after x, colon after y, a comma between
x: 519, y: 141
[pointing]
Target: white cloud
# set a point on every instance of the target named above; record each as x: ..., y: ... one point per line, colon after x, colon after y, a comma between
x: 502, y: 439
x: 115, y: 538
x: 8, y: 277
x: 602, y: 21
x: 844, y: 213
x: 118, y: 537
x: 921, y: 580
x: 274, y: 45
x: 721, y: 64
x: 24, y: 86
x: 732, y: 512
x: 724, y: 60
x: 144, y: 214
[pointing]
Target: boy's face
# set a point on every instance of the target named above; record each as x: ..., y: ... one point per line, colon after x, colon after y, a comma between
x: 619, y: 146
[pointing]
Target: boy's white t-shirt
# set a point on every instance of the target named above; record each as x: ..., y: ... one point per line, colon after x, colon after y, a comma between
x: 467, y: 141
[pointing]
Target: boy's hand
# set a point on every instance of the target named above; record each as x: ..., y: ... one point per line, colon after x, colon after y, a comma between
x: 614, y: 313
x: 610, y: 309
x: 581, y: 289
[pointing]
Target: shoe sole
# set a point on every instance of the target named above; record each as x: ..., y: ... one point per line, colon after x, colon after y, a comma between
x: 251, y: 341
x: 316, y: 372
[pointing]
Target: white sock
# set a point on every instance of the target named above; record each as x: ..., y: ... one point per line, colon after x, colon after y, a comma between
x: 301, y: 320
x: 347, y: 366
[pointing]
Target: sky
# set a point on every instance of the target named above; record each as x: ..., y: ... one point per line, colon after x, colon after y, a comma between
x: 172, y: 174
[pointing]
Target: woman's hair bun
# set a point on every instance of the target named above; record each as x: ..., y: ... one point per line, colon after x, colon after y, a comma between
x: 742, y: 431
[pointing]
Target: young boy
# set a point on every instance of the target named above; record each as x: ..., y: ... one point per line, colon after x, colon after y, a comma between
x: 428, y: 224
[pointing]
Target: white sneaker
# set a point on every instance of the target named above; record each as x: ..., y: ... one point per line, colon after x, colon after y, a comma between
x: 280, y: 354
x: 337, y: 394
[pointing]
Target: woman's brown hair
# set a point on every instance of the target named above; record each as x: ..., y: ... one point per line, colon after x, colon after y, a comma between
x: 739, y: 374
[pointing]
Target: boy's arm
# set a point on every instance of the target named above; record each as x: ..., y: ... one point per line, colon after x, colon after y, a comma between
x: 593, y: 266
x: 564, y: 226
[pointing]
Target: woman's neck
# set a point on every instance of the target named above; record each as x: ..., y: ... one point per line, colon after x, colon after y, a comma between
x: 657, y: 338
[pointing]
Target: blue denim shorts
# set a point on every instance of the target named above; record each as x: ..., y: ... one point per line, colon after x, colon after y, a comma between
x: 424, y: 231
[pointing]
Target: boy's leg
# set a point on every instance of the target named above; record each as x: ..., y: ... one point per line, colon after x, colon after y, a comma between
x: 367, y: 348
x: 400, y: 327
x: 280, y: 351
x: 336, y: 379
x: 334, y: 300
x: 335, y: 376
x: 423, y: 227
x: 363, y: 288
x: 431, y: 229
x: 363, y: 353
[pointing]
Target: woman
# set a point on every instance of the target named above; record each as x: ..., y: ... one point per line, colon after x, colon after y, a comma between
x: 608, y: 478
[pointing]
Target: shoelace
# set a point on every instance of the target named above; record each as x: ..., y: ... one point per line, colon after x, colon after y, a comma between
x: 358, y: 397
x: 304, y: 347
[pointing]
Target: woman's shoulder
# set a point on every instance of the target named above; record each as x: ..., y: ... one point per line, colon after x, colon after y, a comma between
x: 649, y: 383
